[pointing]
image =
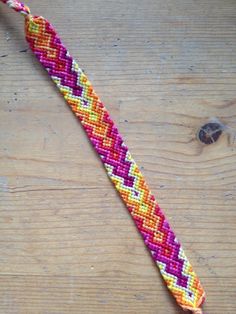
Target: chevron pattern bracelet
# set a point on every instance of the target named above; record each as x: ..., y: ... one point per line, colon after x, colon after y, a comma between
x: 121, y: 168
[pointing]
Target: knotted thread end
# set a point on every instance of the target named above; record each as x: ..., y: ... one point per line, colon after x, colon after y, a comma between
x: 18, y: 6
x: 198, y: 311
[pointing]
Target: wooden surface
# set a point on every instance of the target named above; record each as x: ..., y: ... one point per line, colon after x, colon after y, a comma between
x: 163, y: 68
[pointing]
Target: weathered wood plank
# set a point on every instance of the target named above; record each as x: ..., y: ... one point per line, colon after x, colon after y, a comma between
x: 67, y: 243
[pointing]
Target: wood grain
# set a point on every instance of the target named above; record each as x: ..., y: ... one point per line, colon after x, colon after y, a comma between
x: 163, y: 68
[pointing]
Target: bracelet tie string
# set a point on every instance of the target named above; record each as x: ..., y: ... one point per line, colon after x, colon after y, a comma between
x: 18, y: 6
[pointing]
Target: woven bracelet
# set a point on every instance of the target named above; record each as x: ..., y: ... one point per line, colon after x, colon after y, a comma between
x: 121, y: 168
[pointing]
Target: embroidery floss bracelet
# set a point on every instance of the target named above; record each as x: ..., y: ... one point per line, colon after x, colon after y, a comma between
x: 121, y: 168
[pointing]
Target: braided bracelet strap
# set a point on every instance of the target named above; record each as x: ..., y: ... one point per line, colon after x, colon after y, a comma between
x: 123, y: 171
x: 17, y: 6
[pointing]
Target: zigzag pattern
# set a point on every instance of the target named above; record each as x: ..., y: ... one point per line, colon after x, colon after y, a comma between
x: 121, y: 167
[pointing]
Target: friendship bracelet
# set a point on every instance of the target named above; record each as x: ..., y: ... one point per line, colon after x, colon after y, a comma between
x: 121, y: 168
